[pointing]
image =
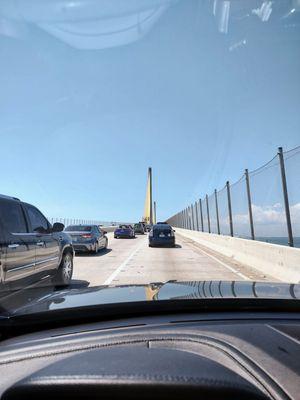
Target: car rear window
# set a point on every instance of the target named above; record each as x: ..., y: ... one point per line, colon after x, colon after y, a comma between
x: 78, y: 228
x: 162, y: 227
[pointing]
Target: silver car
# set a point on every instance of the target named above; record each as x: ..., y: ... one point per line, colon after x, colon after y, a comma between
x: 88, y: 238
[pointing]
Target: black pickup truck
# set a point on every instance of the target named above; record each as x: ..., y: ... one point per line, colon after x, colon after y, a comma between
x: 31, y: 249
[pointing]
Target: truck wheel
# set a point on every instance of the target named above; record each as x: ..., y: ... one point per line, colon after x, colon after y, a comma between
x: 65, y: 270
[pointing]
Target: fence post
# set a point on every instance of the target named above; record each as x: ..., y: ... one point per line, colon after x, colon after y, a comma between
x: 229, y: 208
x: 217, y: 211
x: 187, y: 218
x: 201, y: 215
x: 249, y: 204
x: 192, y: 208
x: 286, y: 198
x: 190, y: 219
x: 197, y: 219
x: 208, y: 219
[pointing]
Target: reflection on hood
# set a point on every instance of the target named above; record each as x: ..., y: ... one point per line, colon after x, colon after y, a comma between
x: 47, y: 298
x: 91, y: 24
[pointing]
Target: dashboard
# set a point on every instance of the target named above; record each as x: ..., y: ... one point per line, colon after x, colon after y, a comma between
x: 212, y: 356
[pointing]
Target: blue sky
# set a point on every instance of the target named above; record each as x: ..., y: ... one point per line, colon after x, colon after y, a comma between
x: 79, y: 128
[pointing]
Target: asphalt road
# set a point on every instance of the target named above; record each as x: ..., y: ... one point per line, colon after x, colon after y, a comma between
x: 131, y: 261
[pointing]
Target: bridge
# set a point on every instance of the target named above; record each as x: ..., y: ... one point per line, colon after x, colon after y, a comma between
x: 213, y: 241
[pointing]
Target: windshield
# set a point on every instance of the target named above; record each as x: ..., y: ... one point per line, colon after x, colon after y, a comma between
x: 202, y: 96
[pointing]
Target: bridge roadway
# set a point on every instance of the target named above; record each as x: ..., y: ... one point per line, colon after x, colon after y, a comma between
x: 131, y: 261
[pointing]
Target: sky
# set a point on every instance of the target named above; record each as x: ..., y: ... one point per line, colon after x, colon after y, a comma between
x: 82, y: 119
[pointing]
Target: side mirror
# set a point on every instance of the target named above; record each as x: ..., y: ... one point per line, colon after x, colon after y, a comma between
x: 104, y: 232
x: 58, y: 227
x: 174, y: 230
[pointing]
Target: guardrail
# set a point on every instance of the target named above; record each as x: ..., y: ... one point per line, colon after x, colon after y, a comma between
x: 263, y: 204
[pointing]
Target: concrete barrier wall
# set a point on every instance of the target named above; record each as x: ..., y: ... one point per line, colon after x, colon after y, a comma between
x: 281, y: 262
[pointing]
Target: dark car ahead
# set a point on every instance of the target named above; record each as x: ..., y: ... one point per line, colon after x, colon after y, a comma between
x: 161, y: 235
x: 148, y: 227
x: 87, y: 237
x: 124, y: 231
x: 139, y: 228
x: 30, y: 248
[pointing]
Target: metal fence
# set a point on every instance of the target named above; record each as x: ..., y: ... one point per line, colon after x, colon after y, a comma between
x: 74, y: 221
x: 263, y: 204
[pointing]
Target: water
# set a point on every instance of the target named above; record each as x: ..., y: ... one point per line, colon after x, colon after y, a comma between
x: 283, y: 241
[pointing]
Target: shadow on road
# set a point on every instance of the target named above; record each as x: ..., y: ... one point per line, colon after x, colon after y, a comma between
x: 177, y: 246
x: 127, y: 238
x: 78, y: 284
x: 99, y: 254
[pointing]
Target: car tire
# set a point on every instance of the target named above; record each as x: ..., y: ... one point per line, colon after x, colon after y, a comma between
x: 65, y: 270
x: 95, y: 251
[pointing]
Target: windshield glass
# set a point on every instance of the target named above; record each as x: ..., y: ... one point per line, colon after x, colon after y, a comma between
x: 202, y: 96
x: 78, y: 228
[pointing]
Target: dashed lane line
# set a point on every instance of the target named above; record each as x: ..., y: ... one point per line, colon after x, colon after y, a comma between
x: 123, y: 265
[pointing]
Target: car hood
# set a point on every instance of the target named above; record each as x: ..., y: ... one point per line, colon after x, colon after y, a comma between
x: 43, y: 299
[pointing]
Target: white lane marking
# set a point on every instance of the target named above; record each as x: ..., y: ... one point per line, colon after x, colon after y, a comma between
x: 224, y: 265
x: 284, y: 334
x: 118, y: 270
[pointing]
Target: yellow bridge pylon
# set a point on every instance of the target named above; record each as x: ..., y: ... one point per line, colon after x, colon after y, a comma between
x: 148, y: 210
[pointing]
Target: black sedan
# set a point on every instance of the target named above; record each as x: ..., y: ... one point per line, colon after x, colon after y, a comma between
x: 162, y: 235
x: 87, y: 237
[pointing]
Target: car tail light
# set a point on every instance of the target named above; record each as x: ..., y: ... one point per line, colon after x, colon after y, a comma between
x: 86, y: 236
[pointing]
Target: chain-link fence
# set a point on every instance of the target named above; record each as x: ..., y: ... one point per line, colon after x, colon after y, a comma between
x: 212, y: 213
x: 292, y: 168
x: 239, y: 204
x: 263, y: 204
